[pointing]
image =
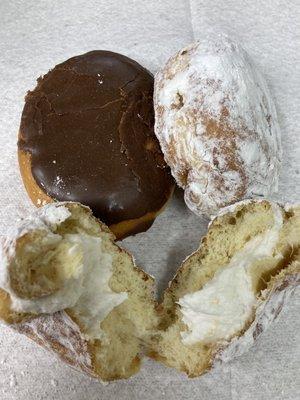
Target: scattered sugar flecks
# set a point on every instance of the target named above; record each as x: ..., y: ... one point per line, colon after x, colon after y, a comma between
x: 13, y: 381
x: 40, y: 202
x: 54, y: 382
x: 100, y: 80
x: 58, y: 180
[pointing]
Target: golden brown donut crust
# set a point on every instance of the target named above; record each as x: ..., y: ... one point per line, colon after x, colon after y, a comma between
x: 40, y: 198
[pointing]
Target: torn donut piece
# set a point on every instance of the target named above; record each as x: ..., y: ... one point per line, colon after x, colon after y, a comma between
x: 67, y: 285
x: 228, y: 292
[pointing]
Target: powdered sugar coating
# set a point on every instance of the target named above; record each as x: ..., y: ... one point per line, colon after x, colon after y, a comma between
x: 58, y: 333
x: 217, y: 125
x: 267, y: 311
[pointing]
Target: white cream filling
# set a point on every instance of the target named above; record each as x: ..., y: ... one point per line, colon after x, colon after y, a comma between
x: 225, y: 304
x: 86, y: 291
x: 97, y: 299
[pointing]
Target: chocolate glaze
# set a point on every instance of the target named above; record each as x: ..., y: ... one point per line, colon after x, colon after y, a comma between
x: 88, y: 126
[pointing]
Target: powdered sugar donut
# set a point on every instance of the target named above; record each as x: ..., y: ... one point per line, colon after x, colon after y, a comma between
x: 217, y: 125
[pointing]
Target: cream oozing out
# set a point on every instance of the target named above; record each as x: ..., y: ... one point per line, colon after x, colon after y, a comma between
x: 226, y: 303
x: 85, y: 290
x: 96, y: 298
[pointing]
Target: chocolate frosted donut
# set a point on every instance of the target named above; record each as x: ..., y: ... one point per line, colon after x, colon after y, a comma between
x: 87, y: 135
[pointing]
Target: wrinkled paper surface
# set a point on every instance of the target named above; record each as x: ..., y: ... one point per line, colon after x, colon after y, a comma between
x: 35, y: 36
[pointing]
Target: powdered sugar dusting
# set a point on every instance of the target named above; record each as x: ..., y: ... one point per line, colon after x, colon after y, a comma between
x: 267, y: 311
x: 59, y: 334
x: 217, y: 125
x: 85, y: 291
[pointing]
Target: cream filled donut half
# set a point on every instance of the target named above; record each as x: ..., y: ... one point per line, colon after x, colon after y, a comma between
x: 228, y: 292
x: 67, y: 285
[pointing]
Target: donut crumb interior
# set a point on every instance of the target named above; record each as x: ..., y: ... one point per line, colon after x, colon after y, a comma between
x: 227, y: 235
x: 43, y: 265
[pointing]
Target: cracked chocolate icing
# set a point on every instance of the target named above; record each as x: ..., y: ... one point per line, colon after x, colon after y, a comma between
x: 88, y: 127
